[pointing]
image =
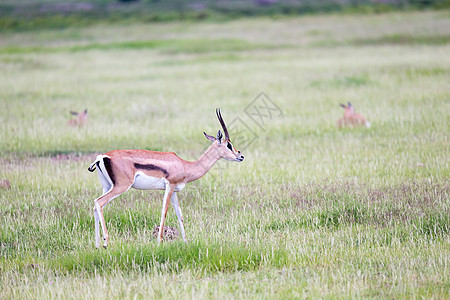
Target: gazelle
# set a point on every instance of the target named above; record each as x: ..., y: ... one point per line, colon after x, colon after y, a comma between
x: 120, y: 170
x: 351, y: 118
x: 80, y: 120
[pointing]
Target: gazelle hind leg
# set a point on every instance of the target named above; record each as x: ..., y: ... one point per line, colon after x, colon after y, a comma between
x: 167, y: 196
x: 98, y: 215
x: 106, y: 185
x: 97, y: 228
x: 176, y: 206
x: 98, y: 212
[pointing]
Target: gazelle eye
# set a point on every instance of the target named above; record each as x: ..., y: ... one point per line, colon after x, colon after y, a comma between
x: 229, y: 146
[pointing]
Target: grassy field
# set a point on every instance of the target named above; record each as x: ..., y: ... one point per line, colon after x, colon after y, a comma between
x: 313, y: 211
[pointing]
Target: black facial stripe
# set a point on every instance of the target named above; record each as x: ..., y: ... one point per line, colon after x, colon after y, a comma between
x: 151, y: 167
x: 109, y: 170
x: 229, y: 146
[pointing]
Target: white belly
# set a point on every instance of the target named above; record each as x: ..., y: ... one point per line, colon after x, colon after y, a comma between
x: 144, y: 182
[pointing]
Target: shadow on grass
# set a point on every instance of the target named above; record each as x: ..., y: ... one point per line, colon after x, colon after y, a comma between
x: 190, y: 46
x: 404, y: 39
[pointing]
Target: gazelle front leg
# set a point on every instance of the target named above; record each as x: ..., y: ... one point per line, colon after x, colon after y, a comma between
x: 176, y: 206
x: 167, y: 195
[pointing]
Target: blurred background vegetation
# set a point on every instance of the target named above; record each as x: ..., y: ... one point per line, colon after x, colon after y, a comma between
x: 38, y: 14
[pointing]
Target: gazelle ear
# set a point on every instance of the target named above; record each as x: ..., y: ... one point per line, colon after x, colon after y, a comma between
x: 352, y: 108
x: 219, y: 136
x: 209, y: 137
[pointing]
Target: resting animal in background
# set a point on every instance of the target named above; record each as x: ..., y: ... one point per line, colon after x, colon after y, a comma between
x: 120, y: 170
x: 80, y: 120
x: 351, y: 118
x: 5, y: 184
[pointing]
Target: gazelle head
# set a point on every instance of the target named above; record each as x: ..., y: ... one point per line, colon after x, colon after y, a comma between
x: 80, y: 120
x: 224, y: 146
x: 351, y: 118
x: 349, y: 110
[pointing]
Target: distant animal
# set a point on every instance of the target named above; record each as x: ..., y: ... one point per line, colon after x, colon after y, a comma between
x: 5, y: 184
x: 351, y: 118
x: 80, y: 120
x: 120, y: 170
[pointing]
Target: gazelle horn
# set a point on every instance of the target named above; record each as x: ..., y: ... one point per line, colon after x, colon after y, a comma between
x: 224, y: 127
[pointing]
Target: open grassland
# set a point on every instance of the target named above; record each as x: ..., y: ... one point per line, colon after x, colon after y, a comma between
x: 313, y: 211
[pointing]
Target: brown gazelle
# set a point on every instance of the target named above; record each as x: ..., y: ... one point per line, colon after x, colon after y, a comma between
x: 120, y: 170
x: 80, y: 120
x: 351, y: 118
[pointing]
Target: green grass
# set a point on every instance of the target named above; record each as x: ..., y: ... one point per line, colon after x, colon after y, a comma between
x: 313, y: 211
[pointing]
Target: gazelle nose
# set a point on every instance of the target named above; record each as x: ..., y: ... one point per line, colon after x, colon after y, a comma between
x: 242, y: 157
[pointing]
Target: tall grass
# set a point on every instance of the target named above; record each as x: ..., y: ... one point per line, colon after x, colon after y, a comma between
x: 313, y: 211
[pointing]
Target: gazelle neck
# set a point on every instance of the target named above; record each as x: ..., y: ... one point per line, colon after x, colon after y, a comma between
x: 196, y: 169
